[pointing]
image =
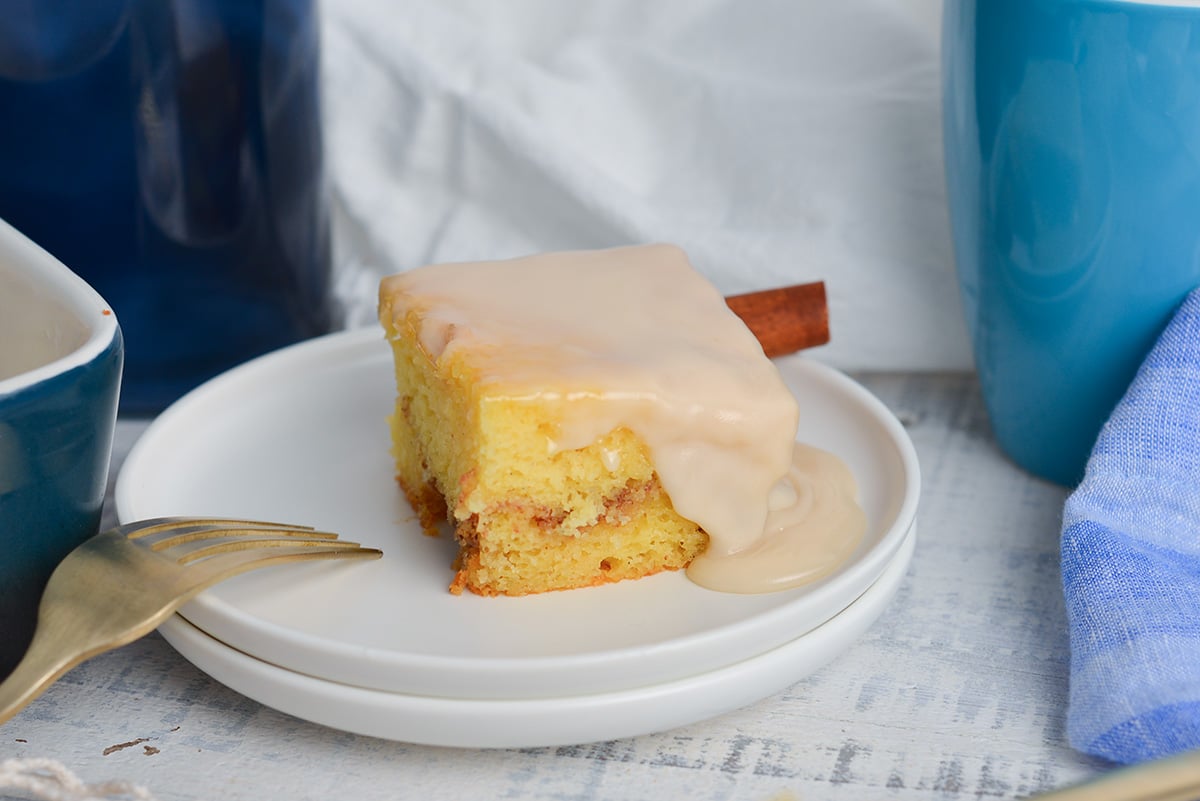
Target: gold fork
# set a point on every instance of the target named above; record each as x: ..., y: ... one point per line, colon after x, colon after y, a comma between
x: 121, y: 584
x: 1174, y: 778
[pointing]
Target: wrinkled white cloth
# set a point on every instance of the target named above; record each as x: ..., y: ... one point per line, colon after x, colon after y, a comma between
x: 777, y: 142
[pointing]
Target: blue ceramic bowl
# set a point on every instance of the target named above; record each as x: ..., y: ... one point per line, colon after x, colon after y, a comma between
x: 60, y: 373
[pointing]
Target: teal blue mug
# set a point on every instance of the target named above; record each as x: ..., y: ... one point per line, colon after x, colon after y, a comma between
x: 1072, y: 148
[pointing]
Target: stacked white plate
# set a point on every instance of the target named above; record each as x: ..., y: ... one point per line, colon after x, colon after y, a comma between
x: 382, y: 648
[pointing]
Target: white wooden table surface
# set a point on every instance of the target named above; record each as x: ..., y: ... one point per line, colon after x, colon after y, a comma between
x: 957, y: 692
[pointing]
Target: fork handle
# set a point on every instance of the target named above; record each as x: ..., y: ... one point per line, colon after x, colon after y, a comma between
x: 1175, y: 778
x: 36, y: 671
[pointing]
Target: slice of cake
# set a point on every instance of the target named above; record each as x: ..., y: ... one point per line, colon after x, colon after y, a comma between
x: 581, y: 418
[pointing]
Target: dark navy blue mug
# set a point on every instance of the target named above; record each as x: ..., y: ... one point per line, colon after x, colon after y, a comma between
x: 170, y: 153
x: 60, y: 375
x: 1072, y: 136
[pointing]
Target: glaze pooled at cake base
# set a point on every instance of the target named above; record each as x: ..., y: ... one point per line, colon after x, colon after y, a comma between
x: 583, y: 417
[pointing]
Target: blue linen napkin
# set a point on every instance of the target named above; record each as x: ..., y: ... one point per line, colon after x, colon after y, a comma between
x: 1131, y: 563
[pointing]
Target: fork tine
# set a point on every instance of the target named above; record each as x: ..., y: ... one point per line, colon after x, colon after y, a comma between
x: 228, y: 563
x: 204, y: 549
x: 145, y: 528
x: 173, y: 538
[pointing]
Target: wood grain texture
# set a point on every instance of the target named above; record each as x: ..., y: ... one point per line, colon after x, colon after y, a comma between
x: 957, y: 692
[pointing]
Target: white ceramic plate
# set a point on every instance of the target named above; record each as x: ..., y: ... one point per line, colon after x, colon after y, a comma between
x: 474, y: 723
x: 299, y: 436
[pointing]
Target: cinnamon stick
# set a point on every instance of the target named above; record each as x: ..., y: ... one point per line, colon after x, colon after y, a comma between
x: 786, y: 319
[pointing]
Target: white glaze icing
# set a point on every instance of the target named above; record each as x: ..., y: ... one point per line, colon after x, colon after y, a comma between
x: 635, y: 337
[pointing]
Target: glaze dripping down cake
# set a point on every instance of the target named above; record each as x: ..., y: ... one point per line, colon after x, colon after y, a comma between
x: 580, y: 418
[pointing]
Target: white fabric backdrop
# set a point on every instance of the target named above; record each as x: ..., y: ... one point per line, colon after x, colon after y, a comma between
x: 777, y: 141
